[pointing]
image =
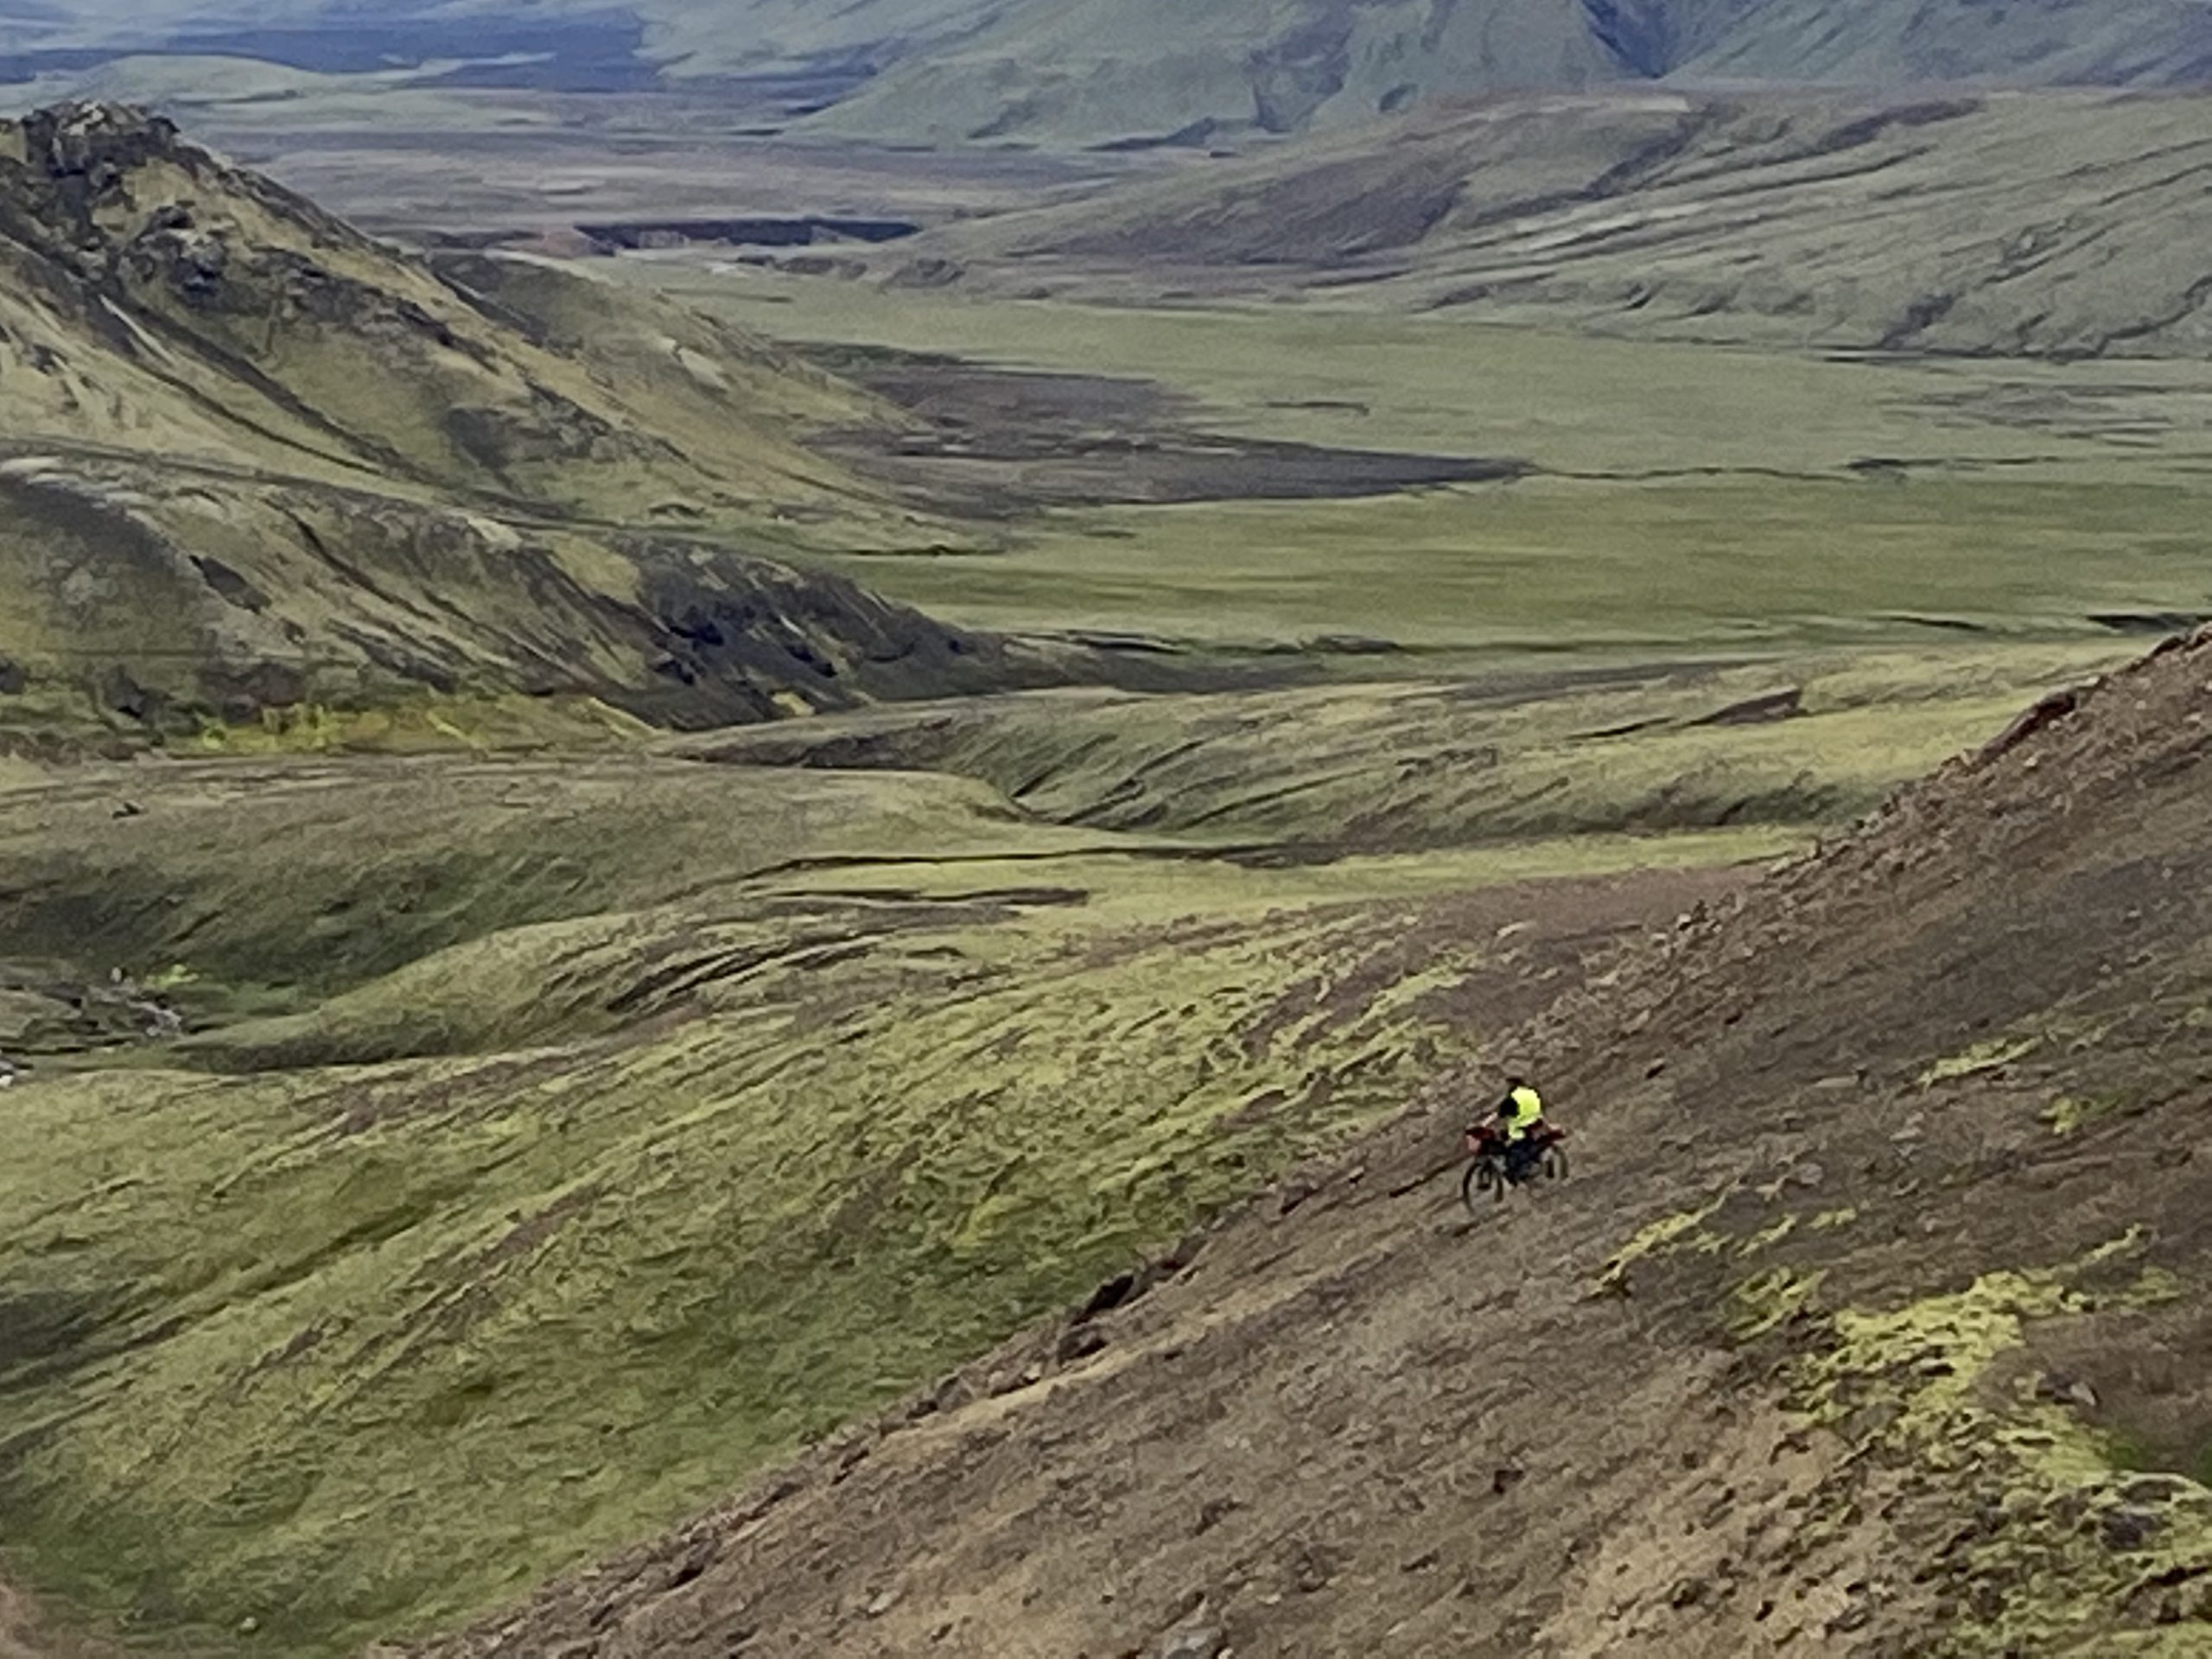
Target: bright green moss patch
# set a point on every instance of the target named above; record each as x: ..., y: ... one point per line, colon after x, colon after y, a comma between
x: 1982, y: 1057
x: 1943, y: 1345
x: 1767, y: 1235
x: 2070, y: 1113
x: 1759, y: 1304
x: 1683, y: 1229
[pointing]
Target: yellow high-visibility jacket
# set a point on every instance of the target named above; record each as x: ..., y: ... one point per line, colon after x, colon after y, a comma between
x: 1526, y: 1111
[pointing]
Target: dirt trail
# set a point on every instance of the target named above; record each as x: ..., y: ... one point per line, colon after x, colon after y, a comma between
x: 1943, y: 1092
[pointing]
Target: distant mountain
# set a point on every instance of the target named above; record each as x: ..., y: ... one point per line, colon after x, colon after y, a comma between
x: 1116, y: 71
x: 1126, y: 70
x: 253, y: 463
x: 1895, y: 42
x: 1164, y: 71
x: 2064, y: 224
x: 569, y: 45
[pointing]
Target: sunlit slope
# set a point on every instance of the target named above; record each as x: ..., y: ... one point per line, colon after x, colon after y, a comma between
x: 1775, y: 748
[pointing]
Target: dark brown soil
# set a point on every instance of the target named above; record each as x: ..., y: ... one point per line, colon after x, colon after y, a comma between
x: 998, y: 443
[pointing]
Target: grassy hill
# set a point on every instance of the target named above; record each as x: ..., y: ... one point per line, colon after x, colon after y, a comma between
x: 2054, y: 224
x: 155, y: 289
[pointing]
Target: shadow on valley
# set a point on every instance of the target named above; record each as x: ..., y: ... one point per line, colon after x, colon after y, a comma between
x: 1000, y: 442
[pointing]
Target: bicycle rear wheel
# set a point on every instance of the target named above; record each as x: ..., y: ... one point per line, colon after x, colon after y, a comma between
x: 1482, y: 1176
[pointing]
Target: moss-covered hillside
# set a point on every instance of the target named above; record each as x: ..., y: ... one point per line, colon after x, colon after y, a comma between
x: 592, y: 1133
x: 606, y: 1127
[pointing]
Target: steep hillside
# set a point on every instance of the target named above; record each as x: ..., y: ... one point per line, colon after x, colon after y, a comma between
x: 1871, y: 1321
x: 622, y: 1123
x: 2054, y: 223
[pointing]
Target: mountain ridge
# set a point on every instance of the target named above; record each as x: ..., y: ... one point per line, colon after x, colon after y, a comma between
x: 156, y: 246
x: 262, y: 468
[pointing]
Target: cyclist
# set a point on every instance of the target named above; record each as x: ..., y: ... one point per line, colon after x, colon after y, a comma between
x: 1519, y: 1113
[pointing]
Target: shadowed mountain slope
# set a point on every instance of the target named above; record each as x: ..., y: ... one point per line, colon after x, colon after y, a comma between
x: 2052, y: 223
x: 149, y: 609
x: 1871, y: 1319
